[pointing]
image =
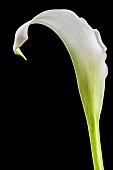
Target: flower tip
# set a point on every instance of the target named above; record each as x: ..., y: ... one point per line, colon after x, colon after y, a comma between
x: 18, y: 52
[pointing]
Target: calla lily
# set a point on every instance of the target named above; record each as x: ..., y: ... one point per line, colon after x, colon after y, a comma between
x: 88, y: 54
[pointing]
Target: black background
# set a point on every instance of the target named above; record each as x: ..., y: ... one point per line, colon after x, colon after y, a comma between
x: 42, y: 123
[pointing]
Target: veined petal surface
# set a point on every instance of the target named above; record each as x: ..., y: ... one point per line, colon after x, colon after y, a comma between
x: 86, y: 49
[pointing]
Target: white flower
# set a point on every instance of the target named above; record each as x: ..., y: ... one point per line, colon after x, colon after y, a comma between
x: 86, y: 50
x: 88, y: 55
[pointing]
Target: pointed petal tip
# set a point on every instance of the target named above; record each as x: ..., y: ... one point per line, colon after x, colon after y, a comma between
x: 18, y: 52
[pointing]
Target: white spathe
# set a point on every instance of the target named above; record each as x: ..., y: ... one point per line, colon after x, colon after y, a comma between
x: 86, y: 49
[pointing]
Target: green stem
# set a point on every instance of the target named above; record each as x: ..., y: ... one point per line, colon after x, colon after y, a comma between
x: 94, y: 135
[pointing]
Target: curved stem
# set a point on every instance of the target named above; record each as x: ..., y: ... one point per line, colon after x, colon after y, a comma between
x: 94, y: 135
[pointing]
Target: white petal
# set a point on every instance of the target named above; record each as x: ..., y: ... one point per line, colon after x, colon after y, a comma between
x: 85, y: 48
x: 21, y: 36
